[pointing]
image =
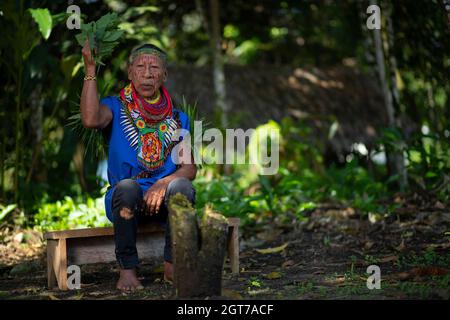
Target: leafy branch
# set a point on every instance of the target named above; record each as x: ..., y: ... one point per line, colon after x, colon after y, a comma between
x: 103, y: 35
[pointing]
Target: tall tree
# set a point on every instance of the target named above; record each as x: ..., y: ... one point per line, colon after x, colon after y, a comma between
x: 218, y: 65
x: 395, y: 158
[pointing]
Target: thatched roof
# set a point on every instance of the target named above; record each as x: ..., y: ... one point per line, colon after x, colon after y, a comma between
x: 260, y: 93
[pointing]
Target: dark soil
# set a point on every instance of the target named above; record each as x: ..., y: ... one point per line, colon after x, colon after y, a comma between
x: 325, y: 257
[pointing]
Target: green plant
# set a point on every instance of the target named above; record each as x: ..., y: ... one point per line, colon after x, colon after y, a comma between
x: 351, y: 275
x: 103, y: 35
x: 428, y: 258
x: 255, y: 282
x: 371, y: 259
x: 68, y: 214
x: 304, y: 288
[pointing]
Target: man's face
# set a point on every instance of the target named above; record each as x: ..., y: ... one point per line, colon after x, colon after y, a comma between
x: 147, y: 72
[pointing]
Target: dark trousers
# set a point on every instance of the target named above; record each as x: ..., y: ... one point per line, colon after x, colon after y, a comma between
x: 128, y: 194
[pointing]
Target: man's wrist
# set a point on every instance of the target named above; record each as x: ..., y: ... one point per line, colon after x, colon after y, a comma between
x: 90, y: 72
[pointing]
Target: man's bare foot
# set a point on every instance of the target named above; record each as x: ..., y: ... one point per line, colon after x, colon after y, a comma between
x: 168, y: 271
x: 128, y: 281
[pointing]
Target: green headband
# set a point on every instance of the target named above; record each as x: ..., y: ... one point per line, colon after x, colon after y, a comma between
x: 153, y: 51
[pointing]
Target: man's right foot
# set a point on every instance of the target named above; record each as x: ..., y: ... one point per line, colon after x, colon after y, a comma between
x: 128, y: 281
x: 168, y: 271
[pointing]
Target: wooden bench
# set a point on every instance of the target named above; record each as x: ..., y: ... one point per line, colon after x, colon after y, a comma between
x: 93, y: 245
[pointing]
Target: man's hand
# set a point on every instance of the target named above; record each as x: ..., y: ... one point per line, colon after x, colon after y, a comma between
x: 89, y: 63
x: 154, y: 196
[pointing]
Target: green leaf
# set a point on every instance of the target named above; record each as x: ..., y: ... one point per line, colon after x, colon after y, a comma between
x: 7, y: 210
x: 106, y: 20
x: 431, y: 174
x: 113, y: 35
x: 81, y: 38
x: 44, y: 20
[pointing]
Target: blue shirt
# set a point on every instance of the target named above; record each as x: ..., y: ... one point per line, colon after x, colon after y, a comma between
x: 122, y: 157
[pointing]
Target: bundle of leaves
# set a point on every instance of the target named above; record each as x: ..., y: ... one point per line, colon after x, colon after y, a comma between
x: 104, y: 35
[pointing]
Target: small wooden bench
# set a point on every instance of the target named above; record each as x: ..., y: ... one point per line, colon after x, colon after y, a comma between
x: 93, y: 245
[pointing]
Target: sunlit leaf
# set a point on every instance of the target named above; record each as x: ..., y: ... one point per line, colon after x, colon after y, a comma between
x: 44, y: 20
x: 273, y: 250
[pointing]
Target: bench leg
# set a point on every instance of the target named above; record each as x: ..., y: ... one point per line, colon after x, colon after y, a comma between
x: 51, y: 275
x: 57, y: 264
x: 233, y: 248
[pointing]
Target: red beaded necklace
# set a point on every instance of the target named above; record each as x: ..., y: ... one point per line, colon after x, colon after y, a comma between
x: 151, y: 112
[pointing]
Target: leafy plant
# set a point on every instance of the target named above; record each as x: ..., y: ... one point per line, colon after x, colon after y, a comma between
x: 103, y: 35
x: 69, y: 214
x: 93, y: 139
x: 255, y: 282
x: 191, y: 110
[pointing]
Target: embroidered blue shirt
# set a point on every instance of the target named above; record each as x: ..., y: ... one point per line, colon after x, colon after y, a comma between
x: 122, y: 157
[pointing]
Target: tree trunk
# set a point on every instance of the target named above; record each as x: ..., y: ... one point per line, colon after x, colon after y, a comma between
x: 219, y: 74
x: 218, y: 68
x: 395, y: 159
x: 368, y: 39
x: 198, y: 253
x: 36, y: 171
x: 399, y: 161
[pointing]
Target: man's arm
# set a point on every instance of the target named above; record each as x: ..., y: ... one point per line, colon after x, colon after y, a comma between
x: 188, y: 171
x: 93, y: 114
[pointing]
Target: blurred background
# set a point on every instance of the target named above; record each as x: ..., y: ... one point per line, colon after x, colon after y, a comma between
x: 364, y: 114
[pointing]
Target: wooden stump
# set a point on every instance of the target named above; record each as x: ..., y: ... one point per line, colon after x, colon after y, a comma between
x: 198, y: 252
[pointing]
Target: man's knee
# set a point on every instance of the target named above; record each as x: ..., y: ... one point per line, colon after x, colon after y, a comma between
x: 127, y: 197
x: 183, y: 186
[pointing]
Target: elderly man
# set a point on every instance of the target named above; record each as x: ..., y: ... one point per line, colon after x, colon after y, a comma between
x: 140, y: 123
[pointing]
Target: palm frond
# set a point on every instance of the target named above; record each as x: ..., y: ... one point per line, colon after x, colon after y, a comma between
x: 93, y: 139
x: 191, y: 111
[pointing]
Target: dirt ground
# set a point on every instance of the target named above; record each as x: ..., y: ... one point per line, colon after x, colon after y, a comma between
x: 323, y: 257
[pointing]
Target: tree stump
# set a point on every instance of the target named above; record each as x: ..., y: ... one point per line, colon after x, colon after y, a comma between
x: 198, y: 252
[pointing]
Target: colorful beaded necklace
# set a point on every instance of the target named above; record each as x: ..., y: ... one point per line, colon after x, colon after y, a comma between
x: 149, y: 126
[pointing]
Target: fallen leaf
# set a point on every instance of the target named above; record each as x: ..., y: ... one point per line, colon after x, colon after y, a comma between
x: 401, y: 246
x: 232, y: 294
x: 272, y: 250
x: 52, y: 297
x: 439, y: 205
x: 288, y: 263
x: 259, y: 291
x: 273, y: 275
x: 18, y: 238
x: 336, y: 281
x: 388, y: 259
x: 374, y: 217
x: 319, y: 272
x: 422, y: 272
x: 438, y: 246
x: 368, y: 245
x: 269, y: 235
